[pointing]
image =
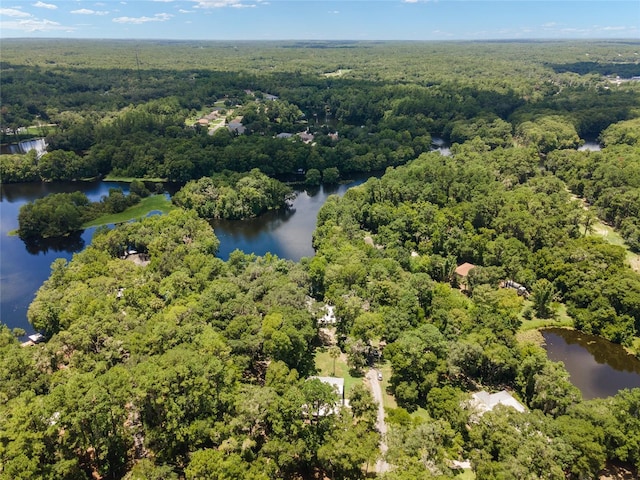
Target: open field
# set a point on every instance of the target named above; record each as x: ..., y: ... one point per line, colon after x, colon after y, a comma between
x: 146, y: 206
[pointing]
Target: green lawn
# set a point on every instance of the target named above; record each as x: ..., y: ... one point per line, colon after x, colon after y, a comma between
x: 466, y: 475
x: 324, y: 366
x: 611, y: 236
x: 142, y: 209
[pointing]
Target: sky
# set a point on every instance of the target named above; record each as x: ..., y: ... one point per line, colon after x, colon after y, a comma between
x: 321, y: 19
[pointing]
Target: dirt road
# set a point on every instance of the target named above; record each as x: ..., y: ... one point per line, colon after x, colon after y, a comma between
x: 376, y: 390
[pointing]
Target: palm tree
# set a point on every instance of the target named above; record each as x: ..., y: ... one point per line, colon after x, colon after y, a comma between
x: 334, y: 352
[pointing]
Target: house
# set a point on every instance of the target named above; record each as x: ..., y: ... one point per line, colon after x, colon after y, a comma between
x: 306, y: 137
x: 462, y: 271
x: 284, y: 135
x: 485, y: 402
x: 461, y: 275
x: 320, y: 408
x: 36, y: 338
x: 236, y: 127
x: 336, y: 383
x: 33, y: 339
x: 268, y: 96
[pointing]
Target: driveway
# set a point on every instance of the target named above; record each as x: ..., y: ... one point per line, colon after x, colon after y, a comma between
x: 376, y: 390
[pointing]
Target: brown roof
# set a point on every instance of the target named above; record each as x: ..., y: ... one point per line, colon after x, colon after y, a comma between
x: 464, y: 269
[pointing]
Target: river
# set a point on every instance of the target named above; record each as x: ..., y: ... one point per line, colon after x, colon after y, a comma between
x: 596, y: 366
x: 23, y: 268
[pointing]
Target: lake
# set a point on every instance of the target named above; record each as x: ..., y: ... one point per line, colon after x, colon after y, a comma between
x: 24, y: 268
x: 597, y: 367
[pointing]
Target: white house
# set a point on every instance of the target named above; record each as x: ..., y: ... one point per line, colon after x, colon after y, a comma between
x: 336, y: 383
x: 485, y: 402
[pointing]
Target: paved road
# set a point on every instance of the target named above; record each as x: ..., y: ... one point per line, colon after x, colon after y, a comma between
x: 376, y: 389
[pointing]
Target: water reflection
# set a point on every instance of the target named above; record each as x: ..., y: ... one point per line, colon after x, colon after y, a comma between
x: 25, y: 266
x: 286, y: 233
x: 597, y: 367
x: 71, y: 243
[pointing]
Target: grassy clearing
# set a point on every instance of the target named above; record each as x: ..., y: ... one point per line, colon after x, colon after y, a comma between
x: 41, y: 130
x: 324, y: 366
x: 538, y: 323
x: 115, y: 178
x: 611, y: 236
x: 337, y: 73
x: 529, y: 330
x: 466, y: 475
x: 146, y: 206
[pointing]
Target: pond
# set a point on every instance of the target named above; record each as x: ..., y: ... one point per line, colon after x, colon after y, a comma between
x: 24, y: 267
x: 597, y: 367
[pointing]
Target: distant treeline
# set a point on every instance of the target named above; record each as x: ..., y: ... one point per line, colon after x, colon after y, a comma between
x: 623, y: 70
x: 129, y: 122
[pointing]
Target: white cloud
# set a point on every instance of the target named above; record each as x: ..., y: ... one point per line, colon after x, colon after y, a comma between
x: 158, y: 17
x: 334, y: 12
x: 14, y: 12
x: 86, y: 11
x: 222, y: 4
x: 186, y: 11
x: 32, y: 25
x: 50, y: 6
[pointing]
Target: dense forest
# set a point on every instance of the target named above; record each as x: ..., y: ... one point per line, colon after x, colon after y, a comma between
x: 187, y: 366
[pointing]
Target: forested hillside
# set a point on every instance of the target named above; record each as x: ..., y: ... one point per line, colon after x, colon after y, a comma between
x: 181, y: 365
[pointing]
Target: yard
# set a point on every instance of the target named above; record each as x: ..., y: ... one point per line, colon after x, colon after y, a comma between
x: 324, y: 366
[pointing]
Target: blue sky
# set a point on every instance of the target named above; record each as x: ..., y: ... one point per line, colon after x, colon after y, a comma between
x: 321, y: 20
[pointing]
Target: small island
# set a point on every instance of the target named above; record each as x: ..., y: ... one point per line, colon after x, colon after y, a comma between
x: 234, y: 196
x: 60, y: 214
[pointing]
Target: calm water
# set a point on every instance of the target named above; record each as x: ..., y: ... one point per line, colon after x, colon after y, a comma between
x: 23, y: 268
x: 285, y: 233
x: 597, y: 367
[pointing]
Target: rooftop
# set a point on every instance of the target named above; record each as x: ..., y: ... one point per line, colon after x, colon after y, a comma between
x: 485, y: 401
x: 464, y: 269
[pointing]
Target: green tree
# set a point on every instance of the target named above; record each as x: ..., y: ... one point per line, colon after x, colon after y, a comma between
x: 543, y: 293
x: 313, y: 177
x: 334, y: 353
x: 418, y: 362
x: 330, y: 175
